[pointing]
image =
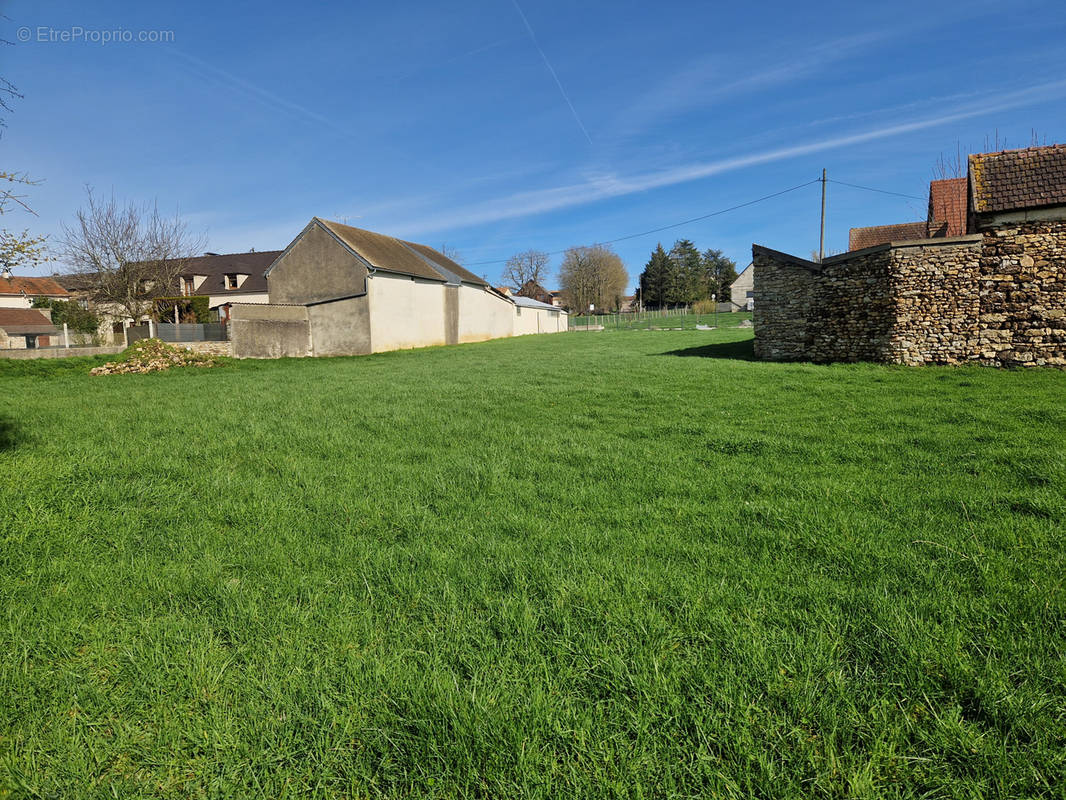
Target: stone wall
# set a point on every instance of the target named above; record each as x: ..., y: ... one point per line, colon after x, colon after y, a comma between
x: 208, y: 348
x: 853, y: 313
x: 62, y: 352
x: 784, y: 290
x: 997, y: 297
x: 1023, y: 294
x: 935, y: 302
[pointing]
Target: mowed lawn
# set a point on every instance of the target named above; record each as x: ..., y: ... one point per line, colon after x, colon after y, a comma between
x: 615, y: 564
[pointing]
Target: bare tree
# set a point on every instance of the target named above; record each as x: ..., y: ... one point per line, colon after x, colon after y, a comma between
x: 129, y: 254
x: 950, y: 166
x: 593, y: 275
x: 528, y: 267
x: 16, y: 247
x: 956, y: 165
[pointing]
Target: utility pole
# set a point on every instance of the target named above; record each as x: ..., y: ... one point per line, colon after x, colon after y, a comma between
x: 821, y: 238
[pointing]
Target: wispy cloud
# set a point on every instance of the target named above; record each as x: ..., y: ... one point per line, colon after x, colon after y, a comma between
x: 551, y: 69
x: 258, y: 93
x: 607, y: 186
x: 705, y: 82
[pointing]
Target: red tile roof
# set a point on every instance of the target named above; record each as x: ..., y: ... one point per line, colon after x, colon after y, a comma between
x: 858, y: 238
x: 31, y: 286
x: 947, y: 204
x: 25, y: 320
x: 1017, y: 179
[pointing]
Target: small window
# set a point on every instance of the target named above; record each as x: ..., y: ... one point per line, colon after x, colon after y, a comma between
x: 231, y: 281
x: 750, y: 294
x: 553, y: 313
x: 519, y: 310
x: 188, y: 286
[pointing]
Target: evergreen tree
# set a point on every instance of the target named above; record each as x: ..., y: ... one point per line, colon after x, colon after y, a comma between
x: 685, y: 274
x: 654, y: 278
x: 718, y: 273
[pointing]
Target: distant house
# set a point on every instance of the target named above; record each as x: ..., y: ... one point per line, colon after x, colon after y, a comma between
x: 742, y: 291
x: 227, y: 279
x: 536, y: 291
x: 558, y: 298
x: 22, y: 328
x: 17, y: 291
x: 339, y: 290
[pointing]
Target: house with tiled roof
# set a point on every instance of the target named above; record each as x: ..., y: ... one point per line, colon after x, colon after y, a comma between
x: 536, y: 291
x: 340, y: 290
x: 22, y: 328
x: 985, y: 283
x: 227, y: 279
x: 17, y: 291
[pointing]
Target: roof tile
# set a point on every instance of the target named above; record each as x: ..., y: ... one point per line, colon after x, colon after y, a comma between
x: 1017, y: 179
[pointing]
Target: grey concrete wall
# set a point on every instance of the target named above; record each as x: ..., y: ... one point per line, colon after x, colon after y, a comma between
x: 340, y: 328
x: 451, y: 315
x: 63, y: 352
x: 317, y: 267
x: 270, y: 331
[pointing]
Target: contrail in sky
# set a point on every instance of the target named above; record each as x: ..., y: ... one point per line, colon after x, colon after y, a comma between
x: 562, y: 91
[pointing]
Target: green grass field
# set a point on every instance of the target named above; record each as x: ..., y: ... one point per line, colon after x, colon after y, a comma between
x: 661, y: 320
x: 632, y: 564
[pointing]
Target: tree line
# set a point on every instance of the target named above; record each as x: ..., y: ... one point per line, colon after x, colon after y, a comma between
x: 684, y: 276
x: 588, y: 276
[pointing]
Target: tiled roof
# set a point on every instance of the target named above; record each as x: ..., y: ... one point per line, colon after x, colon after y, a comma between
x: 406, y: 258
x: 26, y: 320
x: 1017, y: 179
x: 217, y: 267
x: 31, y: 286
x: 383, y: 252
x: 446, y: 265
x: 858, y: 238
x: 947, y: 204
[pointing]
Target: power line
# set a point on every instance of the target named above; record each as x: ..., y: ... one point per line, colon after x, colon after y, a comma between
x: 882, y: 191
x: 673, y: 225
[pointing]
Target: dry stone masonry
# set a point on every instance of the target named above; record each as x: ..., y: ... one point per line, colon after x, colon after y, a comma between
x: 996, y: 296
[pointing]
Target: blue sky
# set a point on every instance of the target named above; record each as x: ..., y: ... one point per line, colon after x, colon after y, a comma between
x: 495, y: 126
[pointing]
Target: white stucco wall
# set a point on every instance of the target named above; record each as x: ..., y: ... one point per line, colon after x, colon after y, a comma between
x: 15, y: 301
x: 483, y: 315
x: 538, y: 320
x: 404, y: 312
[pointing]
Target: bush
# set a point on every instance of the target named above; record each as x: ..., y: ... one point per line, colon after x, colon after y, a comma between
x: 704, y: 306
x: 197, y: 307
x: 78, y: 319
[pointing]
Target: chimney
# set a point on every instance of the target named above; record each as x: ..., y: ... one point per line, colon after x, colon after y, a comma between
x: 6, y: 272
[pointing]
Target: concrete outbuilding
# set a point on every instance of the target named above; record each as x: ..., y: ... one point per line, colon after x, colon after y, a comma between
x: 339, y: 290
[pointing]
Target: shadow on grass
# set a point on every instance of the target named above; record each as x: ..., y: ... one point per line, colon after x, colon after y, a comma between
x: 737, y: 351
x: 9, y: 434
